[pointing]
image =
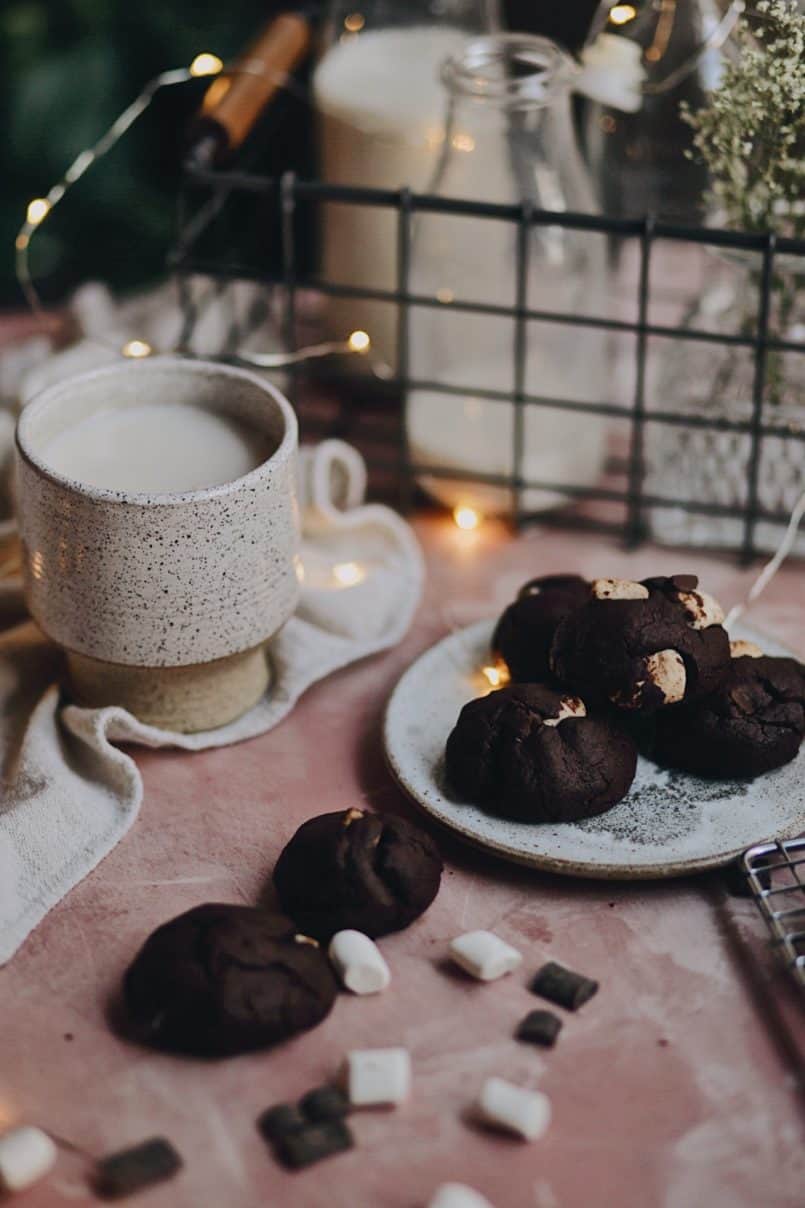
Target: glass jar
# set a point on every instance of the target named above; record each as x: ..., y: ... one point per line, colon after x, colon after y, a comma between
x: 380, y: 108
x: 509, y: 139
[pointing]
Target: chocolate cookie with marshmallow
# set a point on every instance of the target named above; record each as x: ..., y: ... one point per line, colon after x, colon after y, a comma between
x: 533, y: 754
x: 356, y: 871
x: 642, y: 646
x: 524, y: 633
x: 754, y: 722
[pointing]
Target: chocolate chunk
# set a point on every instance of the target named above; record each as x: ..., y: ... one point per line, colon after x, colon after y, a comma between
x: 540, y: 1027
x: 685, y: 582
x: 313, y: 1143
x: 357, y: 871
x: 280, y: 1121
x: 324, y: 1103
x: 524, y: 753
x: 563, y: 987
x: 224, y: 979
x: 129, y: 1170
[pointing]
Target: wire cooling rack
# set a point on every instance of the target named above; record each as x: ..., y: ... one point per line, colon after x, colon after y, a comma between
x: 277, y: 211
x: 775, y: 873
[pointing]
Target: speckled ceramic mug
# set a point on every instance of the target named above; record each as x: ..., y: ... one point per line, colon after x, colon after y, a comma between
x: 163, y: 602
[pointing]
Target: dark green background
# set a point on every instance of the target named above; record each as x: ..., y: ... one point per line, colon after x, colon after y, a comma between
x: 68, y: 68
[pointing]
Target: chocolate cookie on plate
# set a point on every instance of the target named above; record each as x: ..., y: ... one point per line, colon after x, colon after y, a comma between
x: 641, y: 646
x: 224, y: 979
x: 529, y: 753
x: 754, y: 722
x: 525, y: 630
x: 357, y: 871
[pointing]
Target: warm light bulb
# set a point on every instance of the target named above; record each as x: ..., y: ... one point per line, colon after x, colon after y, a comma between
x: 38, y: 209
x: 137, y: 349
x: 206, y: 64
x: 466, y: 518
x: 496, y: 676
x: 463, y: 142
x: 621, y: 14
x: 359, y: 342
x: 354, y: 22
x: 348, y: 573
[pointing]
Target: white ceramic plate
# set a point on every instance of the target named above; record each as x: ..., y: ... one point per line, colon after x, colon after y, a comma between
x: 670, y: 823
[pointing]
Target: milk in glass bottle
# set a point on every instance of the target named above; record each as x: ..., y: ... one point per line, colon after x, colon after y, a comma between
x: 381, y: 116
x: 509, y: 138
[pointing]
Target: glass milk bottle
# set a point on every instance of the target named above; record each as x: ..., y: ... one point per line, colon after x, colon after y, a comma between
x: 509, y: 138
x: 380, y: 107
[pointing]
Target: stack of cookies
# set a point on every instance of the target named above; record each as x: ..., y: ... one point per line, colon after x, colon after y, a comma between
x: 599, y: 669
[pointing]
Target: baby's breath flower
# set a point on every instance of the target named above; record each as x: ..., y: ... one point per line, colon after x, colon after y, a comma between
x: 751, y: 135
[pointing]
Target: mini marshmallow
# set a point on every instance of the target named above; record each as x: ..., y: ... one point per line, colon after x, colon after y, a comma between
x: 618, y: 589
x: 569, y: 706
x: 484, y: 955
x: 458, y: 1195
x: 742, y: 649
x: 703, y: 610
x: 377, y: 1077
x: 515, y: 1109
x: 26, y: 1155
x: 358, y: 962
x: 666, y: 670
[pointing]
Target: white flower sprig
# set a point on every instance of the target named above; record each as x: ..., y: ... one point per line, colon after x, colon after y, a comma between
x: 751, y: 135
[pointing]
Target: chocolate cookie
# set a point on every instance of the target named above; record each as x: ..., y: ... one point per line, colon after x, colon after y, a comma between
x: 641, y: 646
x: 525, y: 630
x: 354, y: 870
x: 226, y: 979
x: 529, y: 753
x: 754, y: 722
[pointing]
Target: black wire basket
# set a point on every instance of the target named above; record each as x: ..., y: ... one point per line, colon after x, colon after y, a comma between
x: 233, y: 224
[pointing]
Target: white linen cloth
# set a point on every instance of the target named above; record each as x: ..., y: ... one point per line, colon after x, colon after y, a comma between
x: 70, y: 795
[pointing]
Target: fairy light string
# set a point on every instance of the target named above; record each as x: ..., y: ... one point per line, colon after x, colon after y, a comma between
x: 773, y: 565
x: 40, y: 208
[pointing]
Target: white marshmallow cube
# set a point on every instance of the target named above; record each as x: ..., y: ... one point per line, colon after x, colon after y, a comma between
x: 358, y: 962
x: 742, y: 649
x: 618, y: 589
x: 377, y: 1077
x: 666, y: 670
x: 515, y: 1109
x: 458, y: 1195
x: 484, y: 955
x: 26, y: 1155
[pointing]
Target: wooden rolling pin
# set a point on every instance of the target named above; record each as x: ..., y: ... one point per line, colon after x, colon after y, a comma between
x: 234, y: 101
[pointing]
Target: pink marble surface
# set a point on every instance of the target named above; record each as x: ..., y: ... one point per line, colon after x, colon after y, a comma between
x: 678, y: 1086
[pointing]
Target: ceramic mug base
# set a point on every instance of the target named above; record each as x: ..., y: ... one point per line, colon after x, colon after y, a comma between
x: 203, y: 696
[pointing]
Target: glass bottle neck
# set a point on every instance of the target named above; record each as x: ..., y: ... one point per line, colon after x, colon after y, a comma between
x: 508, y: 71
